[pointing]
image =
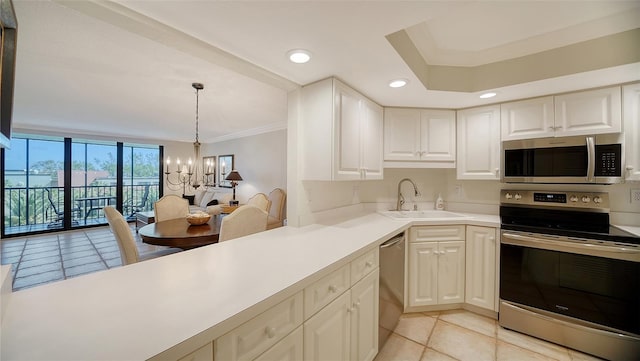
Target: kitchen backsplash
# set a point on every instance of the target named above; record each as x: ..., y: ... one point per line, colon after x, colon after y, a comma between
x: 458, y: 195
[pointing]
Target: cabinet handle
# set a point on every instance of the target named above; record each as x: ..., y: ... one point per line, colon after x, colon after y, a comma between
x: 270, y: 331
x: 333, y: 288
x: 497, y: 171
x: 356, y: 305
x: 629, y: 168
x: 368, y: 264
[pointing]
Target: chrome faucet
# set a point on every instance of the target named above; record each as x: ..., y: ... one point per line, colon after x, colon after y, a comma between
x: 401, y: 197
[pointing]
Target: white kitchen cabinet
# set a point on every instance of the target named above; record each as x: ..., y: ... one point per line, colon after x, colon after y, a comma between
x: 204, y: 353
x: 287, y: 349
x: 595, y: 111
x: 364, y: 318
x: 341, y: 132
x: 422, y: 138
x: 532, y: 118
x: 588, y: 112
x: 632, y: 131
x: 478, y: 143
x: 481, y: 266
x: 436, y: 265
x: 255, y: 336
x: 327, y: 335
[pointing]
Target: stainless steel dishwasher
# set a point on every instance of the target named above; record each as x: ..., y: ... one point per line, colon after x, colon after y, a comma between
x: 391, y: 286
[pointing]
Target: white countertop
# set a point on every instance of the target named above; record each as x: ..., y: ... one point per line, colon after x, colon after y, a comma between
x: 185, y: 299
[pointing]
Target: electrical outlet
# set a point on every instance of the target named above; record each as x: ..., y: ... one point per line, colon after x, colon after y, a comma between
x: 635, y: 196
x: 458, y: 190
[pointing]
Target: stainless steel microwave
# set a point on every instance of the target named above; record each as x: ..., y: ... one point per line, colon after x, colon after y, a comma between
x: 597, y: 159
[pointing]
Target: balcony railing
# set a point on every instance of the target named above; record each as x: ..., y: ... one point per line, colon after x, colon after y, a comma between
x: 41, y: 208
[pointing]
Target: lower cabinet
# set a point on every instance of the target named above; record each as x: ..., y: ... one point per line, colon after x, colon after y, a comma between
x: 335, y: 318
x: 347, y: 328
x: 204, y: 353
x: 481, y: 247
x: 436, y: 265
x: 287, y: 349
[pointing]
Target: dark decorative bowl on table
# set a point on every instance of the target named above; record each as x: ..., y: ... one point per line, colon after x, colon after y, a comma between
x: 199, y: 218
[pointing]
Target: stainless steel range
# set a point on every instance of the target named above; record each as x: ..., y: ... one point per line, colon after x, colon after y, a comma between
x: 566, y: 275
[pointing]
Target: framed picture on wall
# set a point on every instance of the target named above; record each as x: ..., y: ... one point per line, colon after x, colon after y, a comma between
x: 209, y: 165
x: 225, y: 166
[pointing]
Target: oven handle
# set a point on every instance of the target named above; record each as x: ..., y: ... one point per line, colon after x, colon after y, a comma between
x: 568, y: 246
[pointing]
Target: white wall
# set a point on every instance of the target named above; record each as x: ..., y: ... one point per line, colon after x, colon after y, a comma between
x: 260, y: 159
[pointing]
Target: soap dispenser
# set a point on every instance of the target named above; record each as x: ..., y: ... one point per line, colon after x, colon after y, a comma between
x: 439, y: 203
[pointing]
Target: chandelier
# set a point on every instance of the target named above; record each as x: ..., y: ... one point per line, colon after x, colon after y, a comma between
x: 191, y: 173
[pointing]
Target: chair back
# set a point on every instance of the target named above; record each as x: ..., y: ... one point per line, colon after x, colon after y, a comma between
x: 51, y: 202
x: 145, y: 197
x: 170, y: 206
x: 243, y: 221
x: 122, y: 233
x: 277, y: 198
x: 261, y: 201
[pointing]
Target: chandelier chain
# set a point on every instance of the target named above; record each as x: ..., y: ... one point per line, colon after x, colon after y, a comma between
x: 197, y: 115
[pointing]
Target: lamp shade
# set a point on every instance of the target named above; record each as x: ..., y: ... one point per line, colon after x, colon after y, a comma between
x: 234, y: 176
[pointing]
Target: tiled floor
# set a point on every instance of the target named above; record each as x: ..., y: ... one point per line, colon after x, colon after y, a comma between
x: 462, y: 335
x: 53, y: 257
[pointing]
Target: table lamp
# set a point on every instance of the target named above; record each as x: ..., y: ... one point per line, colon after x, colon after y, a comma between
x: 234, y: 177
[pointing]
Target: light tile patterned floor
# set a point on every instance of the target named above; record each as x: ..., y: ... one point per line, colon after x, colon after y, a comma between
x: 462, y: 335
x: 51, y: 257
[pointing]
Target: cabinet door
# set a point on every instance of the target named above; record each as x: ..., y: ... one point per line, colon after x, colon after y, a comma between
x: 372, y: 140
x: 327, y: 334
x: 364, y: 318
x: 423, y: 274
x: 438, y: 135
x: 204, y: 353
x: 589, y: 112
x: 451, y: 272
x: 480, y: 266
x: 527, y: 119
x: 478, y: 143
x: 347, y: 138
x: 287, y: 349
x: 632, y: 131
x: 401, y: 134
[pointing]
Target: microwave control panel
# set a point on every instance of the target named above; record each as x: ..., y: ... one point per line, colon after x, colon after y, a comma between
x: 608, y: 160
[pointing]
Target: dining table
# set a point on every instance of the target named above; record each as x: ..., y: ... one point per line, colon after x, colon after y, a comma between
x: 179, y: 233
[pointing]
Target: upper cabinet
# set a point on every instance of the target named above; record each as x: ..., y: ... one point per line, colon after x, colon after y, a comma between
x: 341, y: 132
x: 419, y: 138
x: 588, y: 112
x: 478, y: 143
x: 632, y: 131
x: 531, y: 118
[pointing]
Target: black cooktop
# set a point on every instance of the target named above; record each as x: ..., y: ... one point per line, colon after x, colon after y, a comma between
x: 568, y: 223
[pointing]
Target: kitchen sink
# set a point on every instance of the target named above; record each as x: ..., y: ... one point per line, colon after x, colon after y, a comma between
x: 424, y: 214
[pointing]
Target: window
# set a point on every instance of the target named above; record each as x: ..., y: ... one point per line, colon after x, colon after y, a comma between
x: 47, y: 188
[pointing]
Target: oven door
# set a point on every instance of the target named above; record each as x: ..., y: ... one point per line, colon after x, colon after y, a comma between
x: 590, y: 282
x: 577, y: 293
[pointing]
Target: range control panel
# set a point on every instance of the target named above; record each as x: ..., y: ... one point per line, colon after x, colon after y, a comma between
x: 591, y: 200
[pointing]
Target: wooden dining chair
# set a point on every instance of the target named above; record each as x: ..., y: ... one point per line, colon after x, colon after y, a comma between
x: 276, y: 212
x: 261, y: 201
x: 170, y: 206
x: 126, y: 243
x: 245, y: 220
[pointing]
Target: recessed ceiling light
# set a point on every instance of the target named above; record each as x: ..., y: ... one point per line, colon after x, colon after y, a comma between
x: 299, y: 56
x: 398, y: 83
x: 488, y: 95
